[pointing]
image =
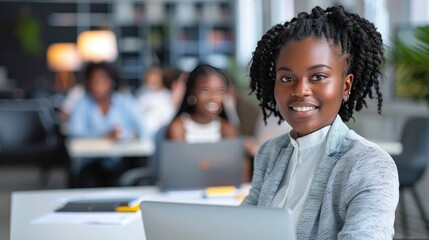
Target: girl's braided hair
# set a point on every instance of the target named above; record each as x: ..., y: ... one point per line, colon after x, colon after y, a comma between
x: 355, y: 35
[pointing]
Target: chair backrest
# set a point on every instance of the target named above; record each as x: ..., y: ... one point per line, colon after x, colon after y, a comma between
x: 414, y: 158
x: 154, y: 161
x: 150, y: 173
x: 24, y: 122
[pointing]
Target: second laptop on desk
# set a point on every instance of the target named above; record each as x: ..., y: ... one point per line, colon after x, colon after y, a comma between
x: 185, y: 166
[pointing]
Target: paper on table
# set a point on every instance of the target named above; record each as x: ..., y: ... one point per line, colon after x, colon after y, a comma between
x: 105, y: 218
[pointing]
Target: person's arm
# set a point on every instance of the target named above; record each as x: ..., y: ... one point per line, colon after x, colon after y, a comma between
x: 228, y: 130
x: 176, y: 130
x: 371, y: 198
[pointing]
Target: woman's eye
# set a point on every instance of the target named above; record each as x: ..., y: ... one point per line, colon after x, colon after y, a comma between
x: 221, y: 91
x: 318, y: 77
x: 286, y: 79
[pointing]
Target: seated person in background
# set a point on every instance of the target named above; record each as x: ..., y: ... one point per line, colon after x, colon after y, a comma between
x: 103, y: 113
x: 74, y: 94
x: 201, y: 117
x: 154, y: 100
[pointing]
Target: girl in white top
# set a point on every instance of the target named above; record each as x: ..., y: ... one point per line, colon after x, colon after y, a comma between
x: 201, y: 117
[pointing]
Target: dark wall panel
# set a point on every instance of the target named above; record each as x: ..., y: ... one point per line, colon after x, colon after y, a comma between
x: 25, y: 34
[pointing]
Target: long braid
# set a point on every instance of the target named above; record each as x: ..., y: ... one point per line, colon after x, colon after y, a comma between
x: 262, y: 69
x: 356, y: 36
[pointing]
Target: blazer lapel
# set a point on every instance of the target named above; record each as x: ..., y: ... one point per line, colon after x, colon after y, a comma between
x: 275, y: 176
x: 317, y: 190
x: 314, y: 199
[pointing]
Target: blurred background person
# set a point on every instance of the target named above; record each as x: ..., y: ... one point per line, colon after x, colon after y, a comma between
x: 154, y: 100
x: 73, y: 95
x: 104, y: 113
x: 201, y: 117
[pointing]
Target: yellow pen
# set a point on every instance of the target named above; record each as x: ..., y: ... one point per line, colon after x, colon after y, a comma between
x: 134, y: 208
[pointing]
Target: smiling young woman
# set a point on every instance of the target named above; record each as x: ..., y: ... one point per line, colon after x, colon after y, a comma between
x: 201, y: 117
x: 314, y: 72
x: 310, y: 84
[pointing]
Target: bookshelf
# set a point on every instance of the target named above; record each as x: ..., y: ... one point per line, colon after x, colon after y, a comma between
x: 173, y: 33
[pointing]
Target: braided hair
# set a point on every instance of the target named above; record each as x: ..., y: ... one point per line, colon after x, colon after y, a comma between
x: 356, y: 36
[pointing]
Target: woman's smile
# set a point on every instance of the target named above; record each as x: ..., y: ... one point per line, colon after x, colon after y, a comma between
x: 212, y: 107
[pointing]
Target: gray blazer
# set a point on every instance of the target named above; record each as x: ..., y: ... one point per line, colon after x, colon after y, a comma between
x: 354, y: 193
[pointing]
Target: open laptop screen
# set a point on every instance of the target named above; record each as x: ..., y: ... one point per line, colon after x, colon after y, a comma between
x: 198, y: 165
x: 181, y: 221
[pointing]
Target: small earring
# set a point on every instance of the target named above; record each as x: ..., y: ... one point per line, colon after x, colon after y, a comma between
x: 347, y: 97
x: 191, y: 100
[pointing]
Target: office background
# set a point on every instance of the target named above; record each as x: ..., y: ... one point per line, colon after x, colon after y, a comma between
x: 179, y: 34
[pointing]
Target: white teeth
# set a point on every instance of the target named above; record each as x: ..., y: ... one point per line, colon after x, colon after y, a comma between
x: 303, y: 109
x: 212, y: 106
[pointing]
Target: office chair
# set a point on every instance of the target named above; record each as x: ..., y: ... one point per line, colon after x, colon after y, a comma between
x: 412, y: 163
x: 149, y: 174
x: 28, y: 135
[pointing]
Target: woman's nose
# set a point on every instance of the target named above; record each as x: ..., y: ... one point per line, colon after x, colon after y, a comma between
x: 216, y: 94
x: 301, y: 88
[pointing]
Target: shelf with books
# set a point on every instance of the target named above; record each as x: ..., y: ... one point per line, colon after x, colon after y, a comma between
x: 166, y: 32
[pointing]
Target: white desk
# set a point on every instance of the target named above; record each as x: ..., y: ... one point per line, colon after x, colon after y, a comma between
x: 78, y: 148
x: 29, y: 205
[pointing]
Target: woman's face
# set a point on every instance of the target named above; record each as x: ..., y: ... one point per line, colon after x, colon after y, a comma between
x: 209, y: 91
x: 153, y: 79
x: 100, y: 84
x: 311, y: 83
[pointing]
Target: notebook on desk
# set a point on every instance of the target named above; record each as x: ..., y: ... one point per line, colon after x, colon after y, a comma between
x: 185, y: 166
x: 181, y: 221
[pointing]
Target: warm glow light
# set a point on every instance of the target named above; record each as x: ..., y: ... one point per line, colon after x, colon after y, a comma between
x: 97, y: 46
x: 63, y: 57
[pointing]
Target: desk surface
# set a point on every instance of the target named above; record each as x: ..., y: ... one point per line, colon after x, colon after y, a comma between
x: 108, y: 148
x: 29, y: 205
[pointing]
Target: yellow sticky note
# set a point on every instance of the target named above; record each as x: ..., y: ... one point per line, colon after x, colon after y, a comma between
x: 220, y: 191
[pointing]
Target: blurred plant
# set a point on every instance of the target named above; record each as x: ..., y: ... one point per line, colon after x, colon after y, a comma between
x: 411, y: 64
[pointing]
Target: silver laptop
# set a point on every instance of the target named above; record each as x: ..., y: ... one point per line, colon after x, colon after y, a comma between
x: 185, y: 166
x: 181, y: 221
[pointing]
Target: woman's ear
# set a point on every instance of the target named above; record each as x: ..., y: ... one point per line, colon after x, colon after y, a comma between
x: 348, y: 83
